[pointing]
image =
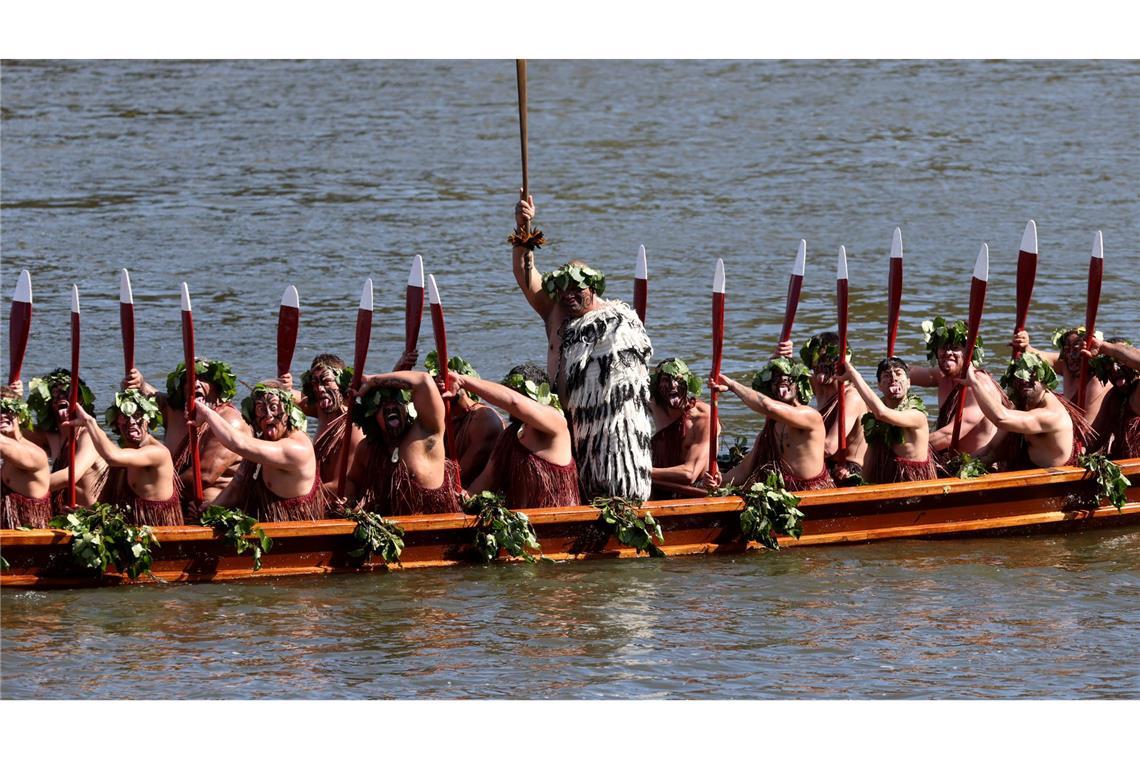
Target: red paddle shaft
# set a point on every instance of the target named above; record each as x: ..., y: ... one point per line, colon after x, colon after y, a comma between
x: 717, y: 352
x: 795, y: 284
x: 74, y: 415
x: 127, y: 327
x: 439, y: 329
x: 841, y: 417
x: 894, y: 302
x: 19, y: 325
x: 363, y: 337
x: 1026, y: 275
x: 190, y: 392
x: 640, y: 297
x: 414, y: 305
x: 288, y: 324
x: 1096, y: 272
x: 977, y: 302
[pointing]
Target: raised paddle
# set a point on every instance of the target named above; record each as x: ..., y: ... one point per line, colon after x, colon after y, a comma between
x: 127, y: 320
x: 717, y: 349
x: 841, y: 308
x: 1096, y: 272
x: 439, y: 330
x: 288, y: 321
x: 977, y: 303
x: 19, y: 325
x: 641, y: 284
x: 520, y: 75
x: 894, y: 290
x: 363, y: 337
x: 414, y: 305
x: 74, y: 413
x: 1026, y: 274
x: 189, y: 391
x: 795, y: 284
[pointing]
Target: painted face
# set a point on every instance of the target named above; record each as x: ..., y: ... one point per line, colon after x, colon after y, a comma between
x: 951, y: 359
x: 8, y: 424
x: 577, y: 302
x: 1027, y: 394
x: 204, y: 391
x: 823, y: 372
x: 1120, y: 376
x: 672, y: 391
x: 392, y: 417
x: 327, y: 391
x: 133, y: 429
x: 269, y: 417
x: 894, y: 384
x: 784, y: 387
x: 1072, y: 353
x: 61, y: 402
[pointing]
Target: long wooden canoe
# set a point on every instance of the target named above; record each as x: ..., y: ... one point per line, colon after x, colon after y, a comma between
x: 1056, y: 499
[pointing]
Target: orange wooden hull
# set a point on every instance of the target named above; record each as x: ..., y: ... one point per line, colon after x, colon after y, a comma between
x: 1059, y: 499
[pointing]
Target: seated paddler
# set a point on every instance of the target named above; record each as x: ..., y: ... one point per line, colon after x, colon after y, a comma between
x: 681, y: 431
x: 324, y: 395
x: 476, y: 425
x: 278, y: 479
x: 1117, y: 425
x: 821, y: 356
x: 1068, y: 344
x: 25, y: 472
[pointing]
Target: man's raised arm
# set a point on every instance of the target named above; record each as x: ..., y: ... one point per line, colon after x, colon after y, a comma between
x: 526, y: 274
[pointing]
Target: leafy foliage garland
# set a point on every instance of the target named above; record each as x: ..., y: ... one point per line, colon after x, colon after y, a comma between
x: 620, y: 517
x: 232, y: 526
x: 965, y: 467
x: 500, y: 528
x: 456, y: 364
x: 938, y: 333
x: 218, y: 374
x: 877, y: 431
x: 769, y: 509
x: 540, y: 393
x: 1029, y: 367
x: 39, y: 398
x: 674, y: 367
x: 101, y: 536
x: 294, y: 418
x: 1110, y: 481
x: 765, y: 382
x: 18, y: 408
x: 573, y: 277
x: 375, y: 536
x: 815, y: 350
x: 365, y: 407
x: 128, y: 403
x: 1102, y: 365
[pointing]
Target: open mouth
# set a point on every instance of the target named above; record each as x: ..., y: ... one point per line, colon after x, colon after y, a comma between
x: 392, y: 420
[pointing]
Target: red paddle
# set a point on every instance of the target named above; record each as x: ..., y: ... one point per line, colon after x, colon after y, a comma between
x: 841, y: 306
x: 74, y: 394
x: 1026, y: 274
x: 795, y: 284
x: 1096, y: 272
x: 288, y: 322
x: 190, y: 391
x: 439, y: 329
x: 717, y: 350
x: 977, y: 303
x: 19, y: 325
x: 414, y: 305
x: 641, y: 285
x: 127, y: 320
x: 894, y: 290
x: 363, y: 336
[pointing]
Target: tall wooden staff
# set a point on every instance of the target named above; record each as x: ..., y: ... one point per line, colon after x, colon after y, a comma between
x: 841, y: 307
x: 520, y: 76
x: 795, y: 284
x: 19, y: 325
x: 127, y: 320
x: 363, y: 337
x: 641, y: 284
x: 1026, y: 275
x: 439, y: 330
x: 74, y: 414
x: 894, y: 290
x: 288, y: 323
x: 414, y: 305
x: 717, y: 349
x: 1096, y: 272
x: 190, y: 391
x: 977, y: 303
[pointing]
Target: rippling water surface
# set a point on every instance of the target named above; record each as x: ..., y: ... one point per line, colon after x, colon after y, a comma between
x: 242, y: 177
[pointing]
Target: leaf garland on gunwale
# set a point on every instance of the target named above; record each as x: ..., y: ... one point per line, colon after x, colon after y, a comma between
x: 769, y: 509
x: 966, y: 467
x: 619, y: 516
x: 39, y: 398
x: 1110, y: 481
x: 500, y: 528
x: 877, y: 431
x: 101, y: 535
x: 375, y: 536
x: 233, y: 526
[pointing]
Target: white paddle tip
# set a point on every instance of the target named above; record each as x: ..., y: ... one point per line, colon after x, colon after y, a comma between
x: 416, y: 276
x: 433, y: 291
x: 801, y: 259
x: 982, y: 265
x: 291, y: 297
x: 1098, y: 245
x: 841, y: 264
x: 718, y: 277
x: 642, y: 272
x: 125, y: 293
x: 185, y: 298
x: 74, y: 299
x: 366, y: 295
x: 1029, y: 238
x: 23, y: 288
x: 896, y: 244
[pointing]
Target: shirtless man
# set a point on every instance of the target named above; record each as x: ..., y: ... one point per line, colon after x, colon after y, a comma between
x: 216, y: 385
x: 1066, y: 360
x: 1044, y: 430
x: 49, y: 401
x: 142, y: 471
x: 25, y: 472
x: 598, y: 354
x: 278, y: 480
x: 793, y: 436
x: 400, y: 467
x: 681, y: 421
x: 897, y: 428
x: 531, y: 464
x: 477, y: 426
x: 1118, y: 423
x: 946, y: 350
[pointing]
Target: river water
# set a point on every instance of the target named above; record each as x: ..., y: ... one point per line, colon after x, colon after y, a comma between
x: 243, y: 177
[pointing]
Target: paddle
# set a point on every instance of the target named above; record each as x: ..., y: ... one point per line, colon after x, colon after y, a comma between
x: 288, y: 321
x: 439, y: 329
x: 188, y: 356
x: 1026, y: 274
x: 74, y: 414
x: 717, y: 349
x: 641, y: 284
x: 520, y: 75
x: 127, y: 320
x: 894, y: 290
x: 977, y: 302
x: 841, y: 306
x: 414, y: 305
x: 1096, y: 272
x: 363, y: 336
x: 795, y: 284
x: 19, y: 325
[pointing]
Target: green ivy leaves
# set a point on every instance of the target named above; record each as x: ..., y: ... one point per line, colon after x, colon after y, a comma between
x: 500, y: 528
x: 233, y: 526
x: 1029, y: 367
x: 375, y: 536
x: 938, y: 333
x: 573, y: 277
x: 769, y: 509
x: 765, y: 380
x: 620, y: 517
x: 1110, y: 481
x: 101, y: 536
x: 540, y: 393
x: 877, y: 431
x: 39, y: 397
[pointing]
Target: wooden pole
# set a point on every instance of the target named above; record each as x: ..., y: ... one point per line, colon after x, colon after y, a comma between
x: 363, y: 337
x: 1026, y: 275
x: 1092, y: 303
x: 414, y: 305
x: 977, y: 304
x: 520, y: 76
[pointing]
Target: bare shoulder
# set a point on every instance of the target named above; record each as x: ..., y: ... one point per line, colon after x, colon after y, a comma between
x: 230, y: 414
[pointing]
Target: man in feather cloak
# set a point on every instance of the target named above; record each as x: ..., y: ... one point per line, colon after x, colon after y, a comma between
x: 598, y: 354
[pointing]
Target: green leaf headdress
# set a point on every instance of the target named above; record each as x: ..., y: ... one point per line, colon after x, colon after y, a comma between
x: 877, y: 431
x: 365, y: 407
x: 15, y: 405
x: 938, y: 333
x: 129, y: 403
x: 675, y: 368
x: 1029, y: 367
x: 294, y: 418
x: 456, y: 364
x: 1100, y: 366
x: 309, y: 390
x: 573, y: 277
x: 764, y: 381
x: 540, y: 393
x: 816, y: 349
x: 39, y: 397
x: 217, y: 374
